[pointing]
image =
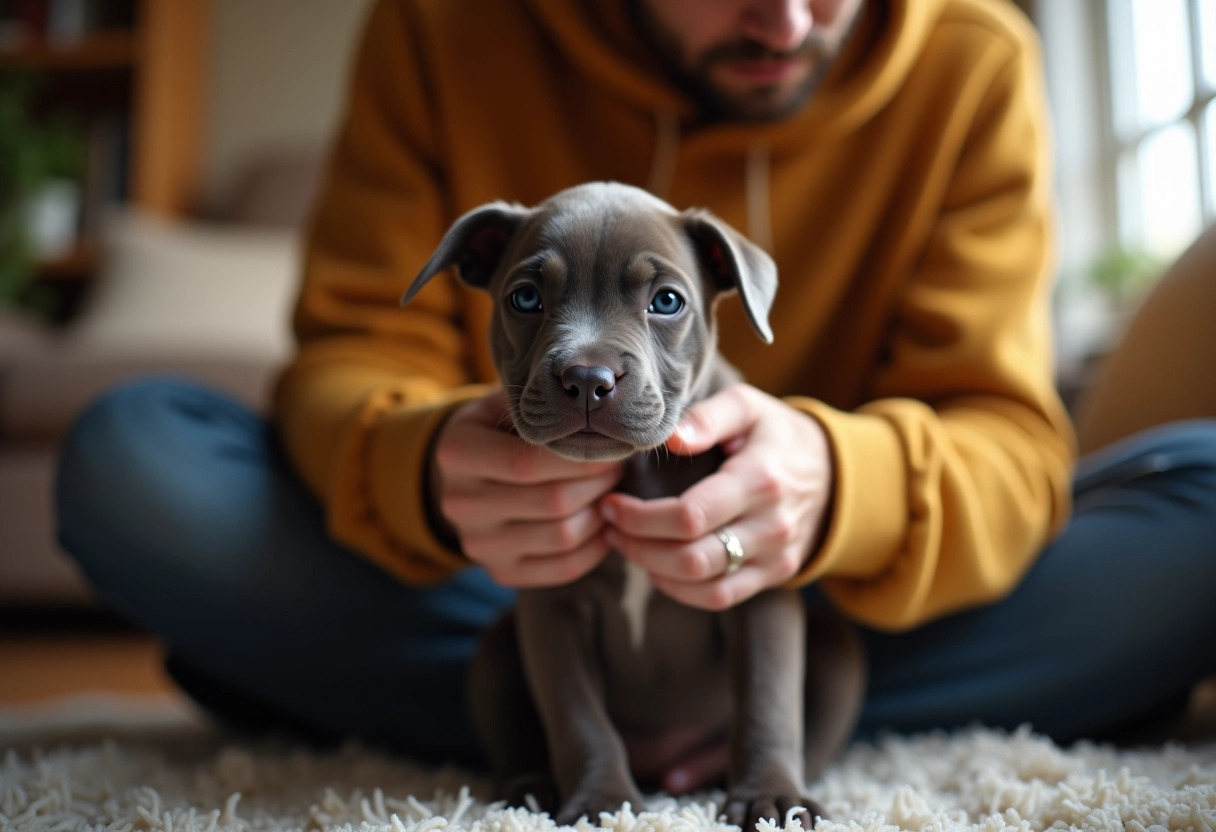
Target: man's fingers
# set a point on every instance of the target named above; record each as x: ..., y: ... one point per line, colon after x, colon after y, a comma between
x: 492, y: 410
x: 704, y: 559
x: 529, y: 539
x: 695, y: 573
x: 678, y: 561
x: 714, y: 421
x: 474, y: 451
x: 707, y: 506
x: 554, y: 570
x: 489, y: 505
x: 717, y: 594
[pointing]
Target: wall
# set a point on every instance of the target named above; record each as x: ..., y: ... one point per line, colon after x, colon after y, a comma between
x: 278, y: 77
x: 1086, y: 224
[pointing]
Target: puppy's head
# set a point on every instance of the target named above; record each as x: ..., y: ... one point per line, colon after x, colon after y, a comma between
x: 603, y: 328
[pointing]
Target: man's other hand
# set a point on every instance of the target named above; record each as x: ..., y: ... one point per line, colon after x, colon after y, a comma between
x: 525, y: 514
x: 772, y: 493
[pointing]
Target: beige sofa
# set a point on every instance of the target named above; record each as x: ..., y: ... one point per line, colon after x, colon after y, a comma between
x: 1165, y: 367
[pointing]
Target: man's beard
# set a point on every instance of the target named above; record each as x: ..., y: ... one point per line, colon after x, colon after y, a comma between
x: 763, y: 103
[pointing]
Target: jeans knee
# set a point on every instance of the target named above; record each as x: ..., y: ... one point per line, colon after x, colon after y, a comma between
x: 96, y: 452
x: 1178, y: 458
x: 1188, y: 454
x: 1184, y: 445
x: 118, y: 468
x: 1195, y: 435
x: 97, y: 443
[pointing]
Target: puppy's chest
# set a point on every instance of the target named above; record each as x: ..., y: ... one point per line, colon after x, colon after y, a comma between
x: 652, y: 620
x: 652, y: 476
x: 654, y: 652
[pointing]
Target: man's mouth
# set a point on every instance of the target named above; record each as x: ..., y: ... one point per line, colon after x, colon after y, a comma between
x: 765, y: 71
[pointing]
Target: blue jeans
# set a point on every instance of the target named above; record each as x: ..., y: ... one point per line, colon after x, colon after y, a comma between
x: 181, y: 509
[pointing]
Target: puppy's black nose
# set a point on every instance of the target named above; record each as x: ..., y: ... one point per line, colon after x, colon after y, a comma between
x: 588, y: 387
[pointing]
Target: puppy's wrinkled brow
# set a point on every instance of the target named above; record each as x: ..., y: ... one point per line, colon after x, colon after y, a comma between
x: 645, y: 269
x: 546, y: 266
x: 639, y: 272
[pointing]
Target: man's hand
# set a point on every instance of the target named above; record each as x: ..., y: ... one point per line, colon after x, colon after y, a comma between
x: 772, y: 492
x: 525, y: 514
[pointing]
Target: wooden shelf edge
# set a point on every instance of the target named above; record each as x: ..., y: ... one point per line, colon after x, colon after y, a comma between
x: 100, y: 50
x: 77, y: 265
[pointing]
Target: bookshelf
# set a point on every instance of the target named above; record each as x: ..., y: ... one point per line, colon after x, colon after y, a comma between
x: 132, y: 75
x: 97, y: 51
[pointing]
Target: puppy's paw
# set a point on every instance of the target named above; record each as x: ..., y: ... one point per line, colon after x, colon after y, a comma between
x: 745, y: 811
x: 591, y: 802
x: 538, y: 786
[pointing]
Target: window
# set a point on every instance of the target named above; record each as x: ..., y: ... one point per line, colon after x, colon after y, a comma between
x: 1132, y: 88
x: 1161, y: 71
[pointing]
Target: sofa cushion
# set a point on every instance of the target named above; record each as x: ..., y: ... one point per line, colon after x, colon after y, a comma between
x: 208, y: 302
x: 213, y: 289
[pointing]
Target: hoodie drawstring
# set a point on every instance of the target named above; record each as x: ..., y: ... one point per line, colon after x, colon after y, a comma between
x: 663, y: 162
x: 757, y: 187
x: 759, y: 220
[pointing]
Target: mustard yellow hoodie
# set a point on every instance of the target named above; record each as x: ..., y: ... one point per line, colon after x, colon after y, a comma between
x: 906, y: 206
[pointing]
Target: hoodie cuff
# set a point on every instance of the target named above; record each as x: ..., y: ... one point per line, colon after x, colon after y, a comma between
x: 869, y: 511
x: 382, y: 510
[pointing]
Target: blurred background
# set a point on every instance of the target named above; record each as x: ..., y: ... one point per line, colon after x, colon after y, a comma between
x: 158, y: 156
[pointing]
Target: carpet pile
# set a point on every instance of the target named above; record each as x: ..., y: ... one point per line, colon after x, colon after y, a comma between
x: 975, y: 780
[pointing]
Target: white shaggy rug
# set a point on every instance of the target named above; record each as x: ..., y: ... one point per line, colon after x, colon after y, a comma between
x: 971, y: 780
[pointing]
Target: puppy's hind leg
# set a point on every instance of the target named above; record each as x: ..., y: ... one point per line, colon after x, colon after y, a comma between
x: 507, y: 721
x: 835, y: 687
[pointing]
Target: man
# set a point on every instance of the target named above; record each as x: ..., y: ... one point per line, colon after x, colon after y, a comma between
x: 900, y: 451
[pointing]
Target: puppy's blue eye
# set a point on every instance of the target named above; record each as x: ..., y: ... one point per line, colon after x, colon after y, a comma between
x: 666, y: 302
x: 526, y: 299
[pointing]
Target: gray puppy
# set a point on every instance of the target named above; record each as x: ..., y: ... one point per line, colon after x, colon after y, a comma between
x: 603, y: 334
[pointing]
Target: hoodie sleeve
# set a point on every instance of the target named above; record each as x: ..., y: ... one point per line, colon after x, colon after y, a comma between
x: 954, y: 476
x: 371, y: 381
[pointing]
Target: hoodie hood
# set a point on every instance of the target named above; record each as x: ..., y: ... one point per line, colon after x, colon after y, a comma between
x: 598, y: 37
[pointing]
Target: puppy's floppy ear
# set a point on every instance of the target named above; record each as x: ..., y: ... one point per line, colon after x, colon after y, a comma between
x: 474, y: 245
x: 735, y: 262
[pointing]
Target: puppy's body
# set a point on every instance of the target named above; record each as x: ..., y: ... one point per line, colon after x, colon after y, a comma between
x: 603, y: 335
x: 654, y: 651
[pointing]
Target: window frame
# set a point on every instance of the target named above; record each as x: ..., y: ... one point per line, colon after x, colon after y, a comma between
x: 1120, y: 144
x: 1077, y: 71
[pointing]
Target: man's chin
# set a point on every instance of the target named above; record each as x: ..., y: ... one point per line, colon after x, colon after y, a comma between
x: 734, y: 99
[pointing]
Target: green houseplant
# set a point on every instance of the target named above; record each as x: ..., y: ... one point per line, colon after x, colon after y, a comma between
x: 1121, y: 273
x: 34, y: 151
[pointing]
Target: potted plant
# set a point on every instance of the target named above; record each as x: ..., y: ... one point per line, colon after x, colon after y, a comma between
x: 41, y: 165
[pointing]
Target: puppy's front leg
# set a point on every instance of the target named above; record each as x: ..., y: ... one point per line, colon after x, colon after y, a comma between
x: 766, y: 651
x: 588, y: 758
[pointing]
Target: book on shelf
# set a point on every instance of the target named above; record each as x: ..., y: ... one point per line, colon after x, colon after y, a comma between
x: 60, y: 22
